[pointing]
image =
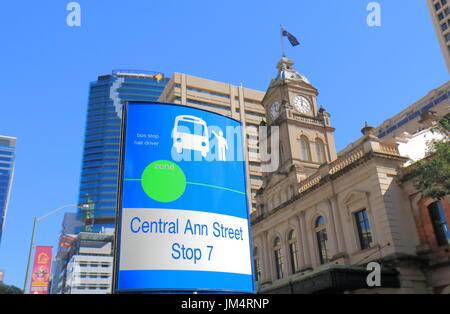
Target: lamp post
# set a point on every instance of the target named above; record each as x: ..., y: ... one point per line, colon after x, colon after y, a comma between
x: 36, y: 220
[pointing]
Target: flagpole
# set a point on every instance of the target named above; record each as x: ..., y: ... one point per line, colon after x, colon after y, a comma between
x: 282, y: 43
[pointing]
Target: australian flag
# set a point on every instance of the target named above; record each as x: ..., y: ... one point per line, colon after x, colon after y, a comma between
x: 294, y: 42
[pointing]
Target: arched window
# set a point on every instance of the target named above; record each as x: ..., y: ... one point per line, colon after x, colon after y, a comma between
x: 293, y: 251
x: 305, y: 153
x: 322, y: 240
x: 279, y: 260
x: 256, y: 264
x: 320, y: 151
x: 439, y: 222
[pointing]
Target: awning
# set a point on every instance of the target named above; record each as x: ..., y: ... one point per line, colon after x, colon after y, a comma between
x: 336, y: 279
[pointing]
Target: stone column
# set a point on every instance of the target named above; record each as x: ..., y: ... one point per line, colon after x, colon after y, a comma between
x: 304, y: 239
x: 300, y: 246
x: 266, y: 266
x: 333, y: 233
x: 338, y: 224
x: 287, y: 267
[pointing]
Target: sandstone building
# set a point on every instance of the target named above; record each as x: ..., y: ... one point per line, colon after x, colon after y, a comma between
x: 322, y: 216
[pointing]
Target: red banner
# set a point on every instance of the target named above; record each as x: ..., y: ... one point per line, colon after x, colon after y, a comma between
x: 66, y: 241
x: 40, y: 276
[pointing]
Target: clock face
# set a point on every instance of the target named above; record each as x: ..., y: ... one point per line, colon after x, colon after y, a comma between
x: 275, y: 109
x: 302, y: 104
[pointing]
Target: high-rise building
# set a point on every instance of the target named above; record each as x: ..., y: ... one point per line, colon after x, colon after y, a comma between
x: 7, y: 156
x: 102, y: 136
x: 412, y: 126
x: 237, y: 102
x: 86, y: 267
x: 67, y: 237
x: 411, y: 120
x: 440, y: 15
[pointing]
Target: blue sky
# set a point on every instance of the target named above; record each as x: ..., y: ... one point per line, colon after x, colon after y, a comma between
x: 362, y: 74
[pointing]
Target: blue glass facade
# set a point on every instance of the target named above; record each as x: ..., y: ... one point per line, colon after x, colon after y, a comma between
x: 7, y: 156
x: 101, y: 144
x: 415, y: 115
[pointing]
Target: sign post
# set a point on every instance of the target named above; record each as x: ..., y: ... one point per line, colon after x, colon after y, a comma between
x: 183, y: 217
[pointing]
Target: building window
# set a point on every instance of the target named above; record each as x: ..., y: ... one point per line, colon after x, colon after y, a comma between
x: 444, y: 26
x: 439, y: 222
x: 437, y: 6
x: 305, y: 153
x: 364, y: 231
x: 322, y: 240
x: 256, y: 264
x: 293, y: 251
x: 278, y: 258
x: 447, y: 37
x: 320, y: 151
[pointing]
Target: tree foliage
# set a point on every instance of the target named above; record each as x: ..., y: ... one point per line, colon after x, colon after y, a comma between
x: 431, y: 175
x: 5, y: 289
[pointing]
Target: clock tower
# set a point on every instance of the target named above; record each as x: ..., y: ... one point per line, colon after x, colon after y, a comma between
x: 306, y: 139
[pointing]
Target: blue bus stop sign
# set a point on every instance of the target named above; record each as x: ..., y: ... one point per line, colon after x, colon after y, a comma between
x: 183, y: 220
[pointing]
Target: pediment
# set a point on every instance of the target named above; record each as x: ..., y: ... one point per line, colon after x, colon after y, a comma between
x: 355, y: 196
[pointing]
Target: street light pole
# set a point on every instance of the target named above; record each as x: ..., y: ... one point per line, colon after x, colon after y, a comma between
x: 30, y: 253
x: 36, y: 220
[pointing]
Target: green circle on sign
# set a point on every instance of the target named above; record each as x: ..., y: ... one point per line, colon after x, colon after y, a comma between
x: 163, y: 181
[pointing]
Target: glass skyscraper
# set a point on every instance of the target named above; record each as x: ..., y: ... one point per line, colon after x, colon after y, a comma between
x: 7, y: 156
x: 101, y: 144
